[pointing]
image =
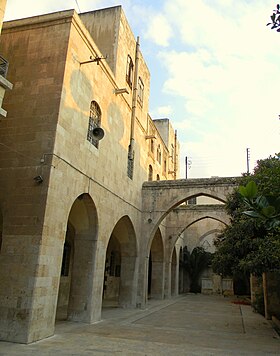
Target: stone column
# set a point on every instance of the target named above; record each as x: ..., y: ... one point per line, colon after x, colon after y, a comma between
x: 271, y: 291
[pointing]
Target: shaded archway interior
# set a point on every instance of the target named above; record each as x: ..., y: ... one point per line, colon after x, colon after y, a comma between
x: 156, y: 268
x: 120, y: 266
x: 77, y: 266
x: 181, y: 201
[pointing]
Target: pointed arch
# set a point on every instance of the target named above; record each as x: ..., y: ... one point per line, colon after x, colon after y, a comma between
x: 75, y: 300
x: 156, y: 267
x: 120, y: 274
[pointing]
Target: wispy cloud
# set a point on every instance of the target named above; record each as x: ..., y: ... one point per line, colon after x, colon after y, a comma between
x: 159, y: 30
x: 162, y: 111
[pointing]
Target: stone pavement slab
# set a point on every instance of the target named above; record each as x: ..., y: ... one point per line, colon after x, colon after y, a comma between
x: 186, y: 325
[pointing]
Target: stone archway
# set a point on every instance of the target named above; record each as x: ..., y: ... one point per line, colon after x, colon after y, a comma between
x: 207, y: 240
x: 75, y: 299
x: 202, y: 230
x: 120, y: 275
x: 160, y: 198
x: 155, y: 288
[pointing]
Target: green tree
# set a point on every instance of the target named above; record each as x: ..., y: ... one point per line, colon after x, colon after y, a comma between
x: 195, y: 263
x: 275, y: 19
x: 251, y: 243
x: 264, y: 208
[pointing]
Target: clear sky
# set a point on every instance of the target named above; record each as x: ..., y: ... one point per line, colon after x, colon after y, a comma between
x: 215, y: 72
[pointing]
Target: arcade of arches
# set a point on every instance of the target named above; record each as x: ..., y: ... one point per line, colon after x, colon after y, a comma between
x: 184, y: 225
x: 124, y: 259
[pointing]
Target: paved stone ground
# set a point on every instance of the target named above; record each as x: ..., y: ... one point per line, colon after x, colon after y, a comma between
x: 186, y: 325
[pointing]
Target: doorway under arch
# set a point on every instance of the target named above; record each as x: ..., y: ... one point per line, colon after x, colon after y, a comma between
x: 75, y: 301
x: 155, y: 281
x: 120, y: 277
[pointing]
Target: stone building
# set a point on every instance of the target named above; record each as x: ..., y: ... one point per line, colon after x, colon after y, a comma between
x: 70, y: 199
x: 4, y: 64
x: 92, y: 213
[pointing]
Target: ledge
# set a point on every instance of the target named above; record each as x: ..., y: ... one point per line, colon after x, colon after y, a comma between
x: 196, y: 182
x: 5, y: 83
x: 3, y: 112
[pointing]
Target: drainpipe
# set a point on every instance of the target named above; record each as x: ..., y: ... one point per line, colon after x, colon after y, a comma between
x: 134, y: 101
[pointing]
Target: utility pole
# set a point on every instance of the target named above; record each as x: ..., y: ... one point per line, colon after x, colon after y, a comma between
x: 248, y: 159
x: 175, y: 155
x: 188, y: 163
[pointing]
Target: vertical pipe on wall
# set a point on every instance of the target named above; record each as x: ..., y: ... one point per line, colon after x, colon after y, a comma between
x: 134, y: 100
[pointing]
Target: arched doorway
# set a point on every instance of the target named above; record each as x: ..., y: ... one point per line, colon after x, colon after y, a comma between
x: 75, y: 301
x: 156, y: 268
x: 120, y: 280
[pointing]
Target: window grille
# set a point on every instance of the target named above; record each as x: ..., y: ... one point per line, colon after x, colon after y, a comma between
x: 4, y: 64
x: 94, y: 122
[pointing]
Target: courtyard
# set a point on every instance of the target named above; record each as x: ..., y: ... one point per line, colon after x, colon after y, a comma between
x: 192, y: 324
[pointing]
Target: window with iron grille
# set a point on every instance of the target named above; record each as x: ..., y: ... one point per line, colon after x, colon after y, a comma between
x: 4, y: 64
x: 94, y: 122
x: 129, y: 71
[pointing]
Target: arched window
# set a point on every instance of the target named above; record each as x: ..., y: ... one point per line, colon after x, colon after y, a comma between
x: 150, y: 177
x: 129, y: 71
x: 158, y: 177
x: 94, y: 122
